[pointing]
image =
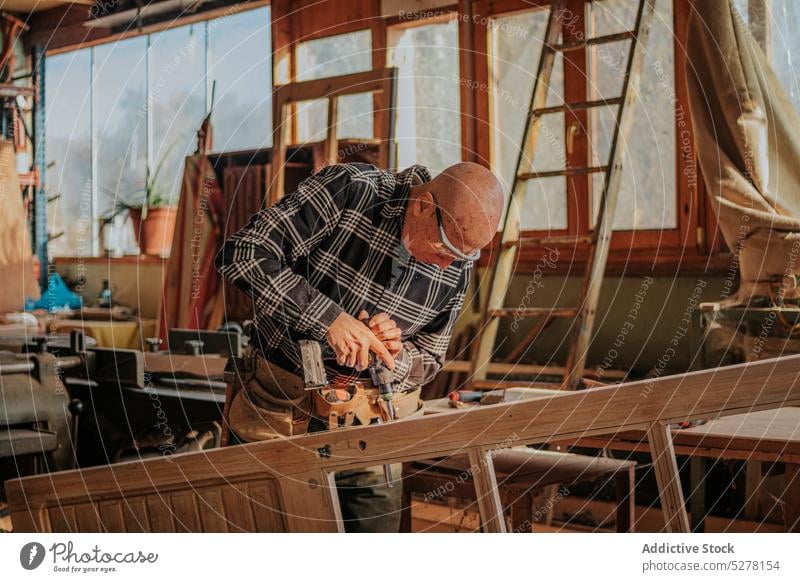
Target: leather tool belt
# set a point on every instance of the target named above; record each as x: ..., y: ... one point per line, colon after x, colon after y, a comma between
x: 274, y: 403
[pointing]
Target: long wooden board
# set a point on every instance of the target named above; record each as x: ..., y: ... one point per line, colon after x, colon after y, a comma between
x: 280, y: 469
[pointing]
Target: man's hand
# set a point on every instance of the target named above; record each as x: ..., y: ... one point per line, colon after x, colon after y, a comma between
x: 353, y: 341
x: 386, y: 330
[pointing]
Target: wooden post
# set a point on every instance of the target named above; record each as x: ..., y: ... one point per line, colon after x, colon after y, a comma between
x: 485, y: 480
x: 669, y: 483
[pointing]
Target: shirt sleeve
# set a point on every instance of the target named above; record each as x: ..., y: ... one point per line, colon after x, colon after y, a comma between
x: 423, y: 355
x: 257, y: 258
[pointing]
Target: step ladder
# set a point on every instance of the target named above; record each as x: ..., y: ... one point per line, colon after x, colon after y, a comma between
x: 599, y: 239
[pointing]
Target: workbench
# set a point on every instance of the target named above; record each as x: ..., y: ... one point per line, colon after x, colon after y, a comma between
x: 771, y: 436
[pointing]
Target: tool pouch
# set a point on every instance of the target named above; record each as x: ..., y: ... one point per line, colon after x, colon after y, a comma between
x: 272, y: 404
x: 364, y: 405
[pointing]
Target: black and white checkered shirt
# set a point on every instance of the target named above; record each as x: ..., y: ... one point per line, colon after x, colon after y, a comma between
x: 334, y: 245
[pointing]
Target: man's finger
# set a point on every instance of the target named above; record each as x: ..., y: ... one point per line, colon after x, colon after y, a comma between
x: 394, y: 347
x: 352, y: 355
x: 388, y: 335
x: 380, y: 350
x: 378, y: 319
x: 363, y: 315
x: 383, y: 326
x: 363, y: 357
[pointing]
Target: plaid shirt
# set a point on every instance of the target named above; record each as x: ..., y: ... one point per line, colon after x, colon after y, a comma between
x: 334, y: 245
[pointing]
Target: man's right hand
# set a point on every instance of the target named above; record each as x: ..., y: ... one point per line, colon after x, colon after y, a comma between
x: 352, y: 341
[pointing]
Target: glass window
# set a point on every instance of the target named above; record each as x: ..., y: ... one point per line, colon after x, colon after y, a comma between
x: 513, y: 72
x: 240, y: 62
x: 119, y: 120
x: 115, y: 109
x: 648, y: 188
x: 428, y: 122
x: 781, y: 25
x: 332, y: 56
x: 69, y: 152
x: 177, y: 102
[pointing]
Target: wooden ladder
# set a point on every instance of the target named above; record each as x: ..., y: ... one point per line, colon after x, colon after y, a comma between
x: 600, y: 238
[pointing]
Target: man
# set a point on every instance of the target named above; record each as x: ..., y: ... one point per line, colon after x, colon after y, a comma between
x: 370, y: 262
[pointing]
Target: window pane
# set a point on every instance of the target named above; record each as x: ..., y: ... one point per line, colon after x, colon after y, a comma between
x: 240, y: 61
x: 428, y: 99
x: 119, y: 118
x: 513, y: 73
x: 68, y: 145
x: 648, y: 188
x: 331, y: 56
x: 786, y: 46
x: 177, y: 102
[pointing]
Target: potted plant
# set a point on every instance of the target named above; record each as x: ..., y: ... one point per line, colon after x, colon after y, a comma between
x: 153, y: 213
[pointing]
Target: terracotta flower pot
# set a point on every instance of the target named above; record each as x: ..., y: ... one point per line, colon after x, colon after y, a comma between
x: 154, y: 234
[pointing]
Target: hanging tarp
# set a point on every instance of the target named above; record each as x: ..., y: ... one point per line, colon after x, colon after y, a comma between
x: 16, y: 254
x: 192, y: 297
x: 747, y: 135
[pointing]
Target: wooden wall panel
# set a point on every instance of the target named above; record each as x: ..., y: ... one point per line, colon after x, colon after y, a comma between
x: 244, y: 190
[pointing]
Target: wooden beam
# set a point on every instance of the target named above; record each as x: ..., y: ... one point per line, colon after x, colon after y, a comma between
x: 669, y: 481
x: 766, y: 384
x: 485, y: 480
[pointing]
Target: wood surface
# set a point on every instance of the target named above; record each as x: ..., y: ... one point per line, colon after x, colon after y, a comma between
x: 238, y: 470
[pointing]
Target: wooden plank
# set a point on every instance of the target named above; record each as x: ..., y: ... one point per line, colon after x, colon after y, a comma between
x: 111, y: 516
x: 87, y: 518
x: 564, y: 416
x: 62, y: 519
x: 134, y: 511
x: 212, y: 510
x: 485, y: 480
x: 184, y: 512
x: 160, y: 513
x: 331, y: 144
x: 267, y: 509
x: 669, y: 481
x: 237, y: 508
x: 310, y: 503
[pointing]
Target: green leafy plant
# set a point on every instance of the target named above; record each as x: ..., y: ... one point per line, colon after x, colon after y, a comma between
x: 152, y: 195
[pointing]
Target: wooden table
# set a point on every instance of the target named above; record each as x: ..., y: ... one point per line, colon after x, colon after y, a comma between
x: 111, y: 334
x: 771, y: 436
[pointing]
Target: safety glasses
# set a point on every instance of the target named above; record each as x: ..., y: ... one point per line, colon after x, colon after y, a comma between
x: 451, y: 248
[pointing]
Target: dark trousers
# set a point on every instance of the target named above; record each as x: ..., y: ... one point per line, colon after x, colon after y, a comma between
x: 368, y: 504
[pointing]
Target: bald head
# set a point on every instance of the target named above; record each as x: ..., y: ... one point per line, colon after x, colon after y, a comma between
x: 470, y: 200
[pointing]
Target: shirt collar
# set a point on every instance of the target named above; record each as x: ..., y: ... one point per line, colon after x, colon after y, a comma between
x: 401, y: 183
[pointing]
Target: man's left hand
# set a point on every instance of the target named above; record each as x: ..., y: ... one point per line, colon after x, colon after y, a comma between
x: 385, y: 329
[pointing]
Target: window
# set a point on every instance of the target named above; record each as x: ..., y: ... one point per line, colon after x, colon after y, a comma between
x: 119, y: 122
x: 68, y: 148
x: 428, y: 124
x: 513, y: 72
x: 331, y: 56
x: 777, y: 21
x: 240, y: 61
x: 648, y: 191
x: 115, y: 110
